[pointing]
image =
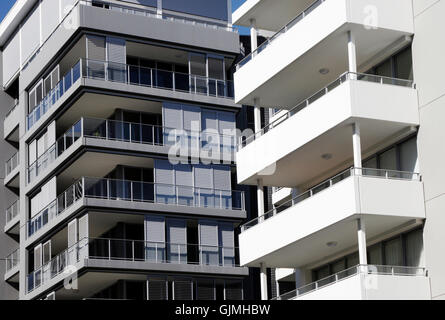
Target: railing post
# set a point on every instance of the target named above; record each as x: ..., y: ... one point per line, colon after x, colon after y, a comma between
x: 132, y: 249
x: 109, y: 249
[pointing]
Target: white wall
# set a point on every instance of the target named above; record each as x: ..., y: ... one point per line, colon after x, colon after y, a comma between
x: 429, y: 68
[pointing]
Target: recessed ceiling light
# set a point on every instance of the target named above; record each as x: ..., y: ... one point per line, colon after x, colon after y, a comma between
x: 324, y: 71
x: 332, y: 244
x: 327, y: 156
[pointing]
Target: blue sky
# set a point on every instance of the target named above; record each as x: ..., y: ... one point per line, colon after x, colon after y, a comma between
x: 5, y: 5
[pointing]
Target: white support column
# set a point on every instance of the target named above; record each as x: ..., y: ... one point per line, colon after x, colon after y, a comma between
x: 253, y: 35
x: 361, y: 234
x: 159, y: 8
x: 357, y: 148
x: 263, y: 282
x: 352, y: 54
x: 260, y: 196
x: 257, y: 117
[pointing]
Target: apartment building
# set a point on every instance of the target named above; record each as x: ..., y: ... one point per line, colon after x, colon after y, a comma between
x: 350, y: 151
x: 119, y: 145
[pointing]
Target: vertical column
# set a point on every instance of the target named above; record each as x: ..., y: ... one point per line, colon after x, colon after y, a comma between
x: 352, y: 55
x: 159, y: 10
x: 257, y: 117
x: 263, y: 281
x: 253, y: 35
x: 260, y: 197
x: 357, y: 148
x: 361, y: 234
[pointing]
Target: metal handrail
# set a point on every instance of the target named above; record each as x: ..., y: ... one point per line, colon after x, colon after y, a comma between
x: 343, y: 78
x: 283, y: 30
x: 158, y: 137
x: 353, y: 171
x: 183, y: 196
x: 136, y: 251
x: 347, y: 273
x: 122, y: 73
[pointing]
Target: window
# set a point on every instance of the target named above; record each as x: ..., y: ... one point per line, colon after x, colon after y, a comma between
x: 399, y: 66
x: 405, y: 249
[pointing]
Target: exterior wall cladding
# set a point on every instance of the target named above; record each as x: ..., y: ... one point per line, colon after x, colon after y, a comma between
x: 119, y: 143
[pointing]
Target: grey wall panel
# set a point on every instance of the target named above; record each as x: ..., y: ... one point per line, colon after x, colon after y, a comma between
x: 203, y: 176
x: 154, y: 228
x: 177, y: 240
x: 227, y: 244
x: 216, y: 9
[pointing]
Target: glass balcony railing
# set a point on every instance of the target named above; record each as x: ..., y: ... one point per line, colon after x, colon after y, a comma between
x: 134, y: 251
x: 365, y: 172
x: 345, y: 274
x: 133, y: 75
x: 138, y: 133
x: 345, y: 77
x: 134, y: 191
x: 70, y: 78
x: 12, y: 163
x: 12, y: 260
x: 156, y: 78
x: 12, y: 211
x: 278, y: 34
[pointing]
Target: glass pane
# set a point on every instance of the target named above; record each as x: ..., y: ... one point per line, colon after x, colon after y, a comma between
x: 216, y: 68
x: 414, y: 248
x: 385, y: 69
x: 404, y: 65
x: 375, y: 255
x: 393, y: 252
x: 388, y: 160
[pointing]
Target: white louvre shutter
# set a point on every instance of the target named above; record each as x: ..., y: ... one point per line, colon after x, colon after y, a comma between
x: 37, y: 257
x: 11, y: 58
x: 184, y: 184
x: 177, y: 240
x: 50, y: 17
x: 30, y: 34
x: 155, y: 238
x: 116, y: 59
x: 83, y: 236
x: 208, y: 241
x: 72, y: 240
x: 165, y: 179
x: 227, y: 244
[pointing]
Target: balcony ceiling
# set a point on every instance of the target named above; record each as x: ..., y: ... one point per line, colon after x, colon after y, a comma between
x: 305, y: 166
x: 313, y: 248
x: 102, y: 106
x: 302, y: 78
x: 97, y: 165
x: 269, y: 15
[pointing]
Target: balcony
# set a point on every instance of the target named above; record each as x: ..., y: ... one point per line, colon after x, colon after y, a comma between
x: 136, y: 256
x: 120, y: 135
x: 367, y: 282
x: 133, y: 195
x: 384, y: 108
x: 301, y: 228
x: 11, y: 123
x: 286, y: 68
x: 12, y: 266
x: 12, y: 218
x: 123, y: 77
x: 12, y: 170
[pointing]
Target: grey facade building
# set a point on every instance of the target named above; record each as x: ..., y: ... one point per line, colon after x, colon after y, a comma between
x: 119, y: 141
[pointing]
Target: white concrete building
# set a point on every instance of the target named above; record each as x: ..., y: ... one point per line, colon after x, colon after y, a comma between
x: 353, y: 153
